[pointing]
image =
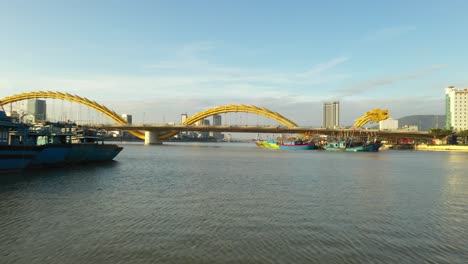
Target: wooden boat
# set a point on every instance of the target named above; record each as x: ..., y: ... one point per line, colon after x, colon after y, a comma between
x: 269, y: 144
x: 349, y: 146
x: 296, y: 145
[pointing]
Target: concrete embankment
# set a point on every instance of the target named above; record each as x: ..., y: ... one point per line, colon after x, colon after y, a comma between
x: 397, y: 147
x: 425, y: 147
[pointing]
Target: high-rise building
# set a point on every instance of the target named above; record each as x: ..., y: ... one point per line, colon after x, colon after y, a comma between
x: 456, y: 108
x: 331, y: 115
x: 388, y: 124
x: 127, y: 118
x: 200, y: 122
x: 125, y: 134
x: 206, y: 122
x: 217, y: 121
x: 183, y: 117
x: 36, y: 109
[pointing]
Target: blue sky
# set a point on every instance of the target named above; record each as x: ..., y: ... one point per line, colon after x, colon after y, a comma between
x: 164, y: 58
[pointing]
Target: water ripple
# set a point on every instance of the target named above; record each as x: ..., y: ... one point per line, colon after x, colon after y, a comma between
x: 234, y: 204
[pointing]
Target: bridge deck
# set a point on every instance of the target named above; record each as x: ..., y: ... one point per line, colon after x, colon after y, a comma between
x: 268, y: 129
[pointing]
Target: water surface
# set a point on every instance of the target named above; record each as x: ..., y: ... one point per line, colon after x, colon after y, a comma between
x: 235, y: 203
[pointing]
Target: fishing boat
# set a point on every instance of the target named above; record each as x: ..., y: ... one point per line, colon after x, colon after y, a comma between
x: 347, y: 145
x: 269, y: 144
x: 259, y: 143
x: 296, y: 145
x: 286, y: 145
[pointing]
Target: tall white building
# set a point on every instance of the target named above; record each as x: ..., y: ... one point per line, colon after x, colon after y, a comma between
x: 456, y: 108
x: 331, y: 115
x: 388, y: 124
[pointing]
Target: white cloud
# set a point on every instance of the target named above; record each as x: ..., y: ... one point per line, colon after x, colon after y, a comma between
x: 321, y: 67
x: 190, y: 84
x: 388, y: 33
x: 374, y: 84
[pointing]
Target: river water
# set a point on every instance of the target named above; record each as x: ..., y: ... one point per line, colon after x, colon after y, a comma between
x: 235, y: 203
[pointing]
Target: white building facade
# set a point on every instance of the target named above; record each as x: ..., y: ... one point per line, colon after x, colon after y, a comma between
x: 388, y: 124
x: 456, y: 109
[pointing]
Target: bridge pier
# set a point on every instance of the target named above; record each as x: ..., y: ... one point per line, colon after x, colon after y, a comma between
x: 151, y: 138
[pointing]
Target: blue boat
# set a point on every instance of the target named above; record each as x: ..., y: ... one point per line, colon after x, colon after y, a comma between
x: 14, y: 156
x: 296, y: 145
x: 50, y: 144
x: 350, y: 146
x: 66, y: 143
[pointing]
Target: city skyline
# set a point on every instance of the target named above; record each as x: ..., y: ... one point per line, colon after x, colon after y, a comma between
x: 157, y: 60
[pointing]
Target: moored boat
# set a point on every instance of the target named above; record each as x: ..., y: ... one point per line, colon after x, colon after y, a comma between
x: 349, y: 146
x: 259, y: 143
x: 286, y: 145
x: 269, y: 144
x: 51, y: 144
x: 16, y: 158
x: 64, y: 144
x: 296, y: 145
x: 14, y: 155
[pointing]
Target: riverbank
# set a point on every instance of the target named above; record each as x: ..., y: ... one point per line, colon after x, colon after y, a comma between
x: 424, y: 147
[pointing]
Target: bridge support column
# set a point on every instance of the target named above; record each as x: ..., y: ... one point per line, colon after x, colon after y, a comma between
x: 151, y: 138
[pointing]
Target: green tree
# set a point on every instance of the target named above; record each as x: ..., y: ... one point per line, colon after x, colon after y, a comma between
x: 439, y: 132
x: 463, y: 134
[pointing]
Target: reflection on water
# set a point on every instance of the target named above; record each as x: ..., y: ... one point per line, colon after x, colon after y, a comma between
x: 237, y: 203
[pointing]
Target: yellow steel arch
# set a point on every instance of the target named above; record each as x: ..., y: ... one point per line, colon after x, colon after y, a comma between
x: 72, y: 98
x: 234, y: 108
x: 374, y: 115
x: 117, y: 118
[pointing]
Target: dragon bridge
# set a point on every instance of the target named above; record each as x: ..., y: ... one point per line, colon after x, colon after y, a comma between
x: 140, y: 134
x: 374, y: 115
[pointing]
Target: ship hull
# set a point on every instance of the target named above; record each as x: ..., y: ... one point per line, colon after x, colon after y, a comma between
x: 296, y: 147
x: 266, y: 144
x: 64, y: 154
x: 374, y: 147
x: 16, y: 158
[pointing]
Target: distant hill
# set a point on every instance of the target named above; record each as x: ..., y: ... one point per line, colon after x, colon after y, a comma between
x: 423, y: 122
